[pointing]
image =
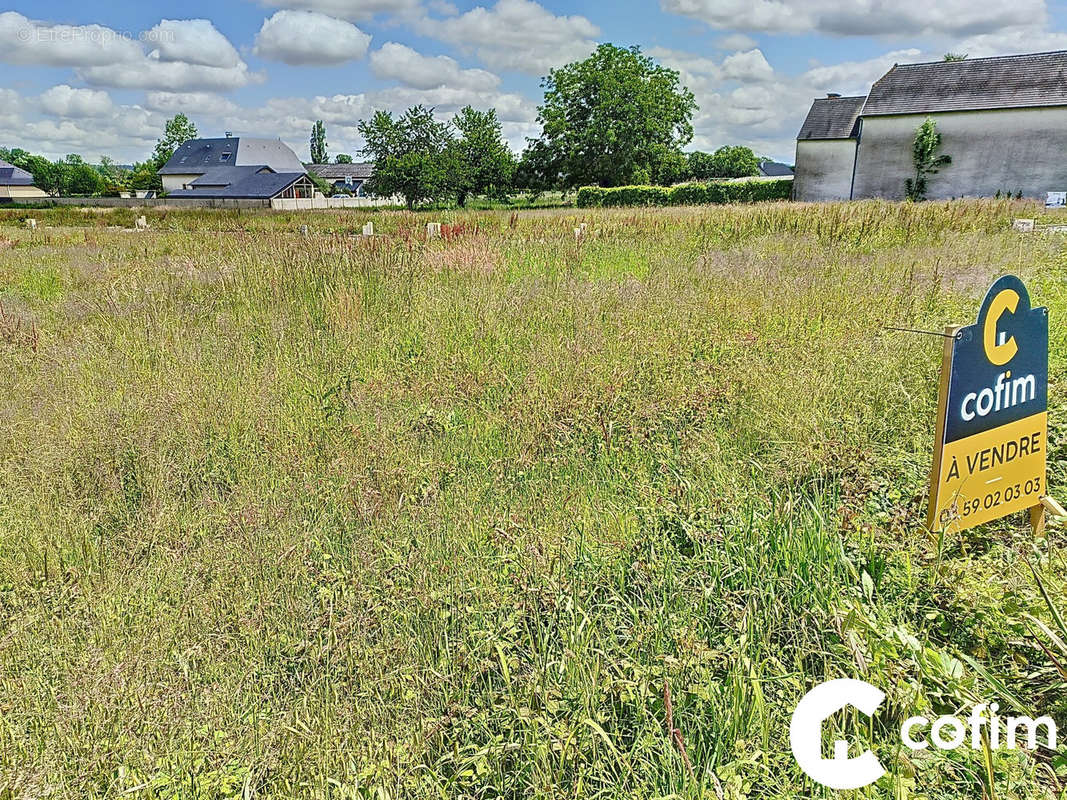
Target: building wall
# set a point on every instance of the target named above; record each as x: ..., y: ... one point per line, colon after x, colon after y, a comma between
x: 20, y: 192
x: 824, y: 169
x: 172, y: 182
x: 308, y: 203
x: 1006, y: 150
x: 135, y: 202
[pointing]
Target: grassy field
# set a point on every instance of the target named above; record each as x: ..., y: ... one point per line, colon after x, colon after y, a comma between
x: 331, y: 517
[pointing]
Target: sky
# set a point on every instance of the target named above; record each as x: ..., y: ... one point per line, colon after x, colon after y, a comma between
x: 102, y: 78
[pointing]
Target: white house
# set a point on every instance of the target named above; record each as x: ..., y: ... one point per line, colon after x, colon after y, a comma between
x: 236, y: 168
x: 1003, y: 120
x: 17, y: 184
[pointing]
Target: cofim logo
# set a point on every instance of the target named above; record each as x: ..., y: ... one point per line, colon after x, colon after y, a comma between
x: 990, y: 451
x: 917, y: 733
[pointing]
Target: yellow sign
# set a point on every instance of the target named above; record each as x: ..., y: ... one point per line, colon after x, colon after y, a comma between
x: 990, y: 456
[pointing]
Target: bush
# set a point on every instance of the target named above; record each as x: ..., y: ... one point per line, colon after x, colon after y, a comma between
x: 687, y: 194
x: 590, y: 197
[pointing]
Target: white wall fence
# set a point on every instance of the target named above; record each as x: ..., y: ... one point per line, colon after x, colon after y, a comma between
x: 311, y: 203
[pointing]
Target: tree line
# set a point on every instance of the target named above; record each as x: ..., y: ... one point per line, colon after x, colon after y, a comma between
x: 616, y: 118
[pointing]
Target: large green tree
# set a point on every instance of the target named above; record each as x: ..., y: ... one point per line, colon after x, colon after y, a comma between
x: 606, y: 119
x: 79, y: 178
x: 729, y: 161
x: 481, y: 162
x: 176, y: 132
x: 411, y: 155
x: 319, y: 154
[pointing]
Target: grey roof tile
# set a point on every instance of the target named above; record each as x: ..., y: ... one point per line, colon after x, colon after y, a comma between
x: 1022, y: 81
x: 10, y: 175
x: 199, y: 155
x: 340, y: 171
x: 253, y: 185
x: 832, y: 118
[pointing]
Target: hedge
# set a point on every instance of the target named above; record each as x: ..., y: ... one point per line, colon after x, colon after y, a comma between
x: 686, y: 194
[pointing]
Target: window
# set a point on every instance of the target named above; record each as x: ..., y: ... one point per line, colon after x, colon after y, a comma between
x: 224, y: 156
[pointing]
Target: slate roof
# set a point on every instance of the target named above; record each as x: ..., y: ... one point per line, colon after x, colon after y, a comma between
x: 1023, y: 81
x: 775, y: 169
x: 250, y: 184
x: 10, y: 175
x: 200, y: 155
x: 832, y: 118
x: 334, y: 172
x: 227, y: 176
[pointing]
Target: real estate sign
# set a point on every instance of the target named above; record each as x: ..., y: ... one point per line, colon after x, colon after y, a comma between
x: 989, y: 456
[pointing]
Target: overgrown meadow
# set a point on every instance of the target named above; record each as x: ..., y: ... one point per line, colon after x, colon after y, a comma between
x: 505, y: 514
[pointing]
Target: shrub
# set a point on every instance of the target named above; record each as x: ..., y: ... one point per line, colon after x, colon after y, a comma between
x: 590, y: 197
x: 688, y: 194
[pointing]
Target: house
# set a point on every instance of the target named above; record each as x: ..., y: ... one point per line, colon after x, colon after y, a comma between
x: 774, y: 169
x: 826, y: 149
x: 17, y: 184
x: 1003, y: 121
x: 349, y: 178
x: 235, y: 168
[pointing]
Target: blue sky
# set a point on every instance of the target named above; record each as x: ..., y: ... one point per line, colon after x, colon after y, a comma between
x: 102, y: 79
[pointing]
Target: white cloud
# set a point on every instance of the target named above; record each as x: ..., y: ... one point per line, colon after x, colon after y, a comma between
x: 26, y: 41
x: 206, y: 103
x: 181, y: 55
x: 515, y: 34
x: 127, y: 132
x: 66, y: 101
x: 308, y: 37
x: 356, y: 10
x: 861, y: 18
x: 856, y: 77
x: 750, y: 65
x: 399, y: 62
x: 735, y: 41
x: 151, y: 72
x: 192, y: 41
x: 1010, y: 41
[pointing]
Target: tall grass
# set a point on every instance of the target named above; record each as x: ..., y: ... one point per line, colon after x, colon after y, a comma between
x: 324, y: 516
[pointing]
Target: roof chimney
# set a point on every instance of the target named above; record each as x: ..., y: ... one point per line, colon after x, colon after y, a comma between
x: 832, y: 95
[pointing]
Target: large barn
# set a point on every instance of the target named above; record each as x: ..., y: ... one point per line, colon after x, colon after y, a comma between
x: 1003, y: 121
x: 235, y: 168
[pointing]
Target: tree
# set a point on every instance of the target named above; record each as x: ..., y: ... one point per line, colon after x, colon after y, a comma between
x: 143, y: 177
x: 954, y: 57
x: 668, y: 166
x: 343, y: 158
x: 411, y: 155
x: 79, y: 178
x: 177, y: 131
x: 319, y: 155
x: 480, y: 160
x: 536, y: 171
x: 726, y: 162
x: 924, y: 155
x: 603, y: 117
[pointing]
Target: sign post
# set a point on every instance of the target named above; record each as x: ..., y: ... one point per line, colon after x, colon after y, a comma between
x: 990, y: 450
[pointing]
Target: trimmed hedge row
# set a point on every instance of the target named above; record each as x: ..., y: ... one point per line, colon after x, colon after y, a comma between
x: 686, y: 194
